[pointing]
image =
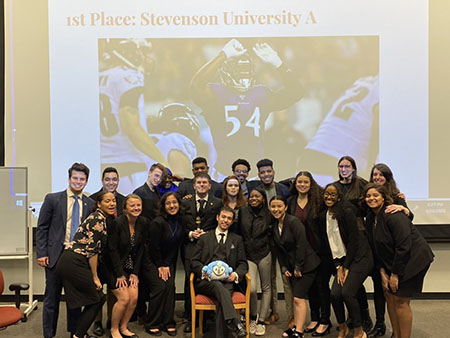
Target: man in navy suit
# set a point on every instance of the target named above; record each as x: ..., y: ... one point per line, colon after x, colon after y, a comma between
x: 58, y: 219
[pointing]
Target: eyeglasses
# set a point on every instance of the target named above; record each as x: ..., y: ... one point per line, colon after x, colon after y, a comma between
x: 241, y: 171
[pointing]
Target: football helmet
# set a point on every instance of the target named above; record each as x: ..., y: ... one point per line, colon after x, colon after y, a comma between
x: 132, y: 53
x: 238, y: 72
x: 179, y: 118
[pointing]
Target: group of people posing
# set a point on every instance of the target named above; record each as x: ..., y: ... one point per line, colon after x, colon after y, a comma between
x: 351, y: 229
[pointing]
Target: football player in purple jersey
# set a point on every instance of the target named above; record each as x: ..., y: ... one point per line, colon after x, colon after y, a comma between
x: 234, y: 106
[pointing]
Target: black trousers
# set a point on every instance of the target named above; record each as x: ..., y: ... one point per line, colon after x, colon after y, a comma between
x: 347, y: 293
x: 222, y: 293
x: 162, y: 300
x: 87, y: 317
x: 319, y: 295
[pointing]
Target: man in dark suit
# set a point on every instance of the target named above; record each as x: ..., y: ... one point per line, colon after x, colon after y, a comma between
x: 201, y: 210
x: 149, y: 191
x: 199, y: 165
x: 59, y: 217
x: 110, y: 182
x: 228, y: 247
x: 151, y: 198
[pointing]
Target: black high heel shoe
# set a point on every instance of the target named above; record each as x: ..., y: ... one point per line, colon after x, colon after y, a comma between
x: 312, y: 329
x: 289, y: 332
x: 378, y: 330
x: 324, y: 333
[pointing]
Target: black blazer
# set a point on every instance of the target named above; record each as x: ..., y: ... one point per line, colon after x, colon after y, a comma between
x: 164, y: 250
x: 119, y: 244
x: 150, y: 200
x: 292, y: 249
x: 399, y: 246
x: 312, y: 222
x: 204, y: 253
x: 255, y: 229
x: 355, y: 241
x: 208, y: 221
x: 51, y: 227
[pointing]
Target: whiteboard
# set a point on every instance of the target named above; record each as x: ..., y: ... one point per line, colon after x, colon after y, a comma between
x: 13, y: 211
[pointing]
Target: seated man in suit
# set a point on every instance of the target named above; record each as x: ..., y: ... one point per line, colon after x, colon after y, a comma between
x: 201, y: 210
x: 199, y: 165
x: 228, y: 247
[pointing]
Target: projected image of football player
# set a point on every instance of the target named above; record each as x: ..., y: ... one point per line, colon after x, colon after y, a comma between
x: 176, y: 132
x: 125, y: 143
x: 350, y: 128
x: 234, y: 106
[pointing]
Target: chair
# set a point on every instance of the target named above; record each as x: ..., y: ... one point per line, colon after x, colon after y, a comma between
x: 201, y: 303
x: 9, y: 314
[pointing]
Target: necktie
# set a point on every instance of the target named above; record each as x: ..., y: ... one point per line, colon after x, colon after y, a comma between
x: 201, y: 208
x: 222, y: 236
x: 75, y: 218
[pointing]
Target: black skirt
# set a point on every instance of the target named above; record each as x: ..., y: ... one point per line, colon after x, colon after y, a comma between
x: 78, y: 282
x: 301, y: 285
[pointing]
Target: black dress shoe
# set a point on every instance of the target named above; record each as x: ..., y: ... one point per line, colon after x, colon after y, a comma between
x: 367, y: 324
x: 127, y: 336
x: 378, y: 330
x: 323, y: 333
x: 237, y: 327
x: 98, y: 329
x: 171, y: 333
x: 309, y: 330
x: 188, y: 327
x: 297, y: 334
x: 156, y: 333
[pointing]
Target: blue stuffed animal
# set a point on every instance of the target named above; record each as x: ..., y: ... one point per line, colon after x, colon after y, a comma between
x: 217, y: 270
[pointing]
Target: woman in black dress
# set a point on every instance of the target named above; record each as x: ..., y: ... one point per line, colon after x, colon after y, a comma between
x: 77, y: 265
x: 306, y: 203
x: 126, y: 239
x: 347, y: 246
x: 233, y: 197
x: 166, y: 235
x: 297, y: 259
x: 402, y: 257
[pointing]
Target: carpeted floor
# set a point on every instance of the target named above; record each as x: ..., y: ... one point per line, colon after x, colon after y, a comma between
x: 431, y: 320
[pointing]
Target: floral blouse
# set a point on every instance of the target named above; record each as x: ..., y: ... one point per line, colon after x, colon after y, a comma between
x: 90, y: 237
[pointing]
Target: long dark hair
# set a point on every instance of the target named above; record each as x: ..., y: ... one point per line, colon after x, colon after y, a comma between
x: 381, y: 189
x: 357, y: 183
x: 162, y: 207
x: 390, y: 185
x: 315, y: 193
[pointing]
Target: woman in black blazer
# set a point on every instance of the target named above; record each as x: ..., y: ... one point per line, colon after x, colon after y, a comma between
x: 381, y: 174
x: 347, y: 246
x: 297, y: 259
x: 167, y: 232
x: 126, y: 240
x: 306, y: 203
x: 402, y: 256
